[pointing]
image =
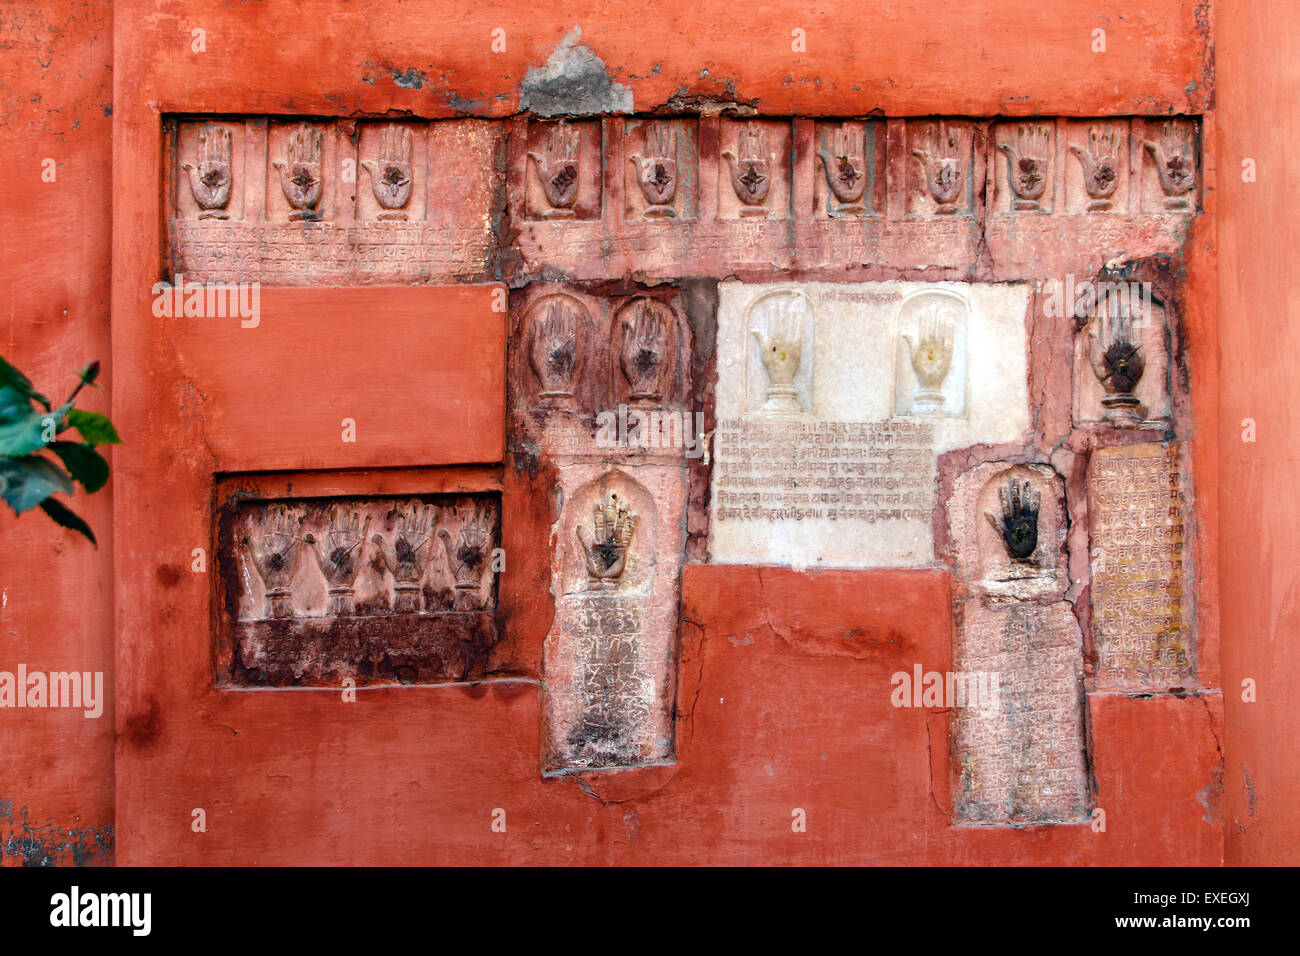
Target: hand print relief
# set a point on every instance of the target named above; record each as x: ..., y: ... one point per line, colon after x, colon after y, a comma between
x: 557, y: 168
x: 387, y: 606
x: 301, y: 169
x: 391, y: 172
x: 606, y: 544
x: 1116, y: 355
x: 751, y: 169
x: 942, y: 154
x: 782, y: 326
x: 556, y: 352
x: 656, y: 170
x: 1029, y: 159
x: 1017, y: 522
x: 932, y: 376
x: 211, y: 176
x: 844, y: 165
x: 1173, y: 152
x: 1100, y: 160
x: 644, y: 352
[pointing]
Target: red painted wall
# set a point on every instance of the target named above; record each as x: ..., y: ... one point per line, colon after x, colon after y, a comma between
x: 56, y: 591
x: 771, y: 683
x: 1259, y: 312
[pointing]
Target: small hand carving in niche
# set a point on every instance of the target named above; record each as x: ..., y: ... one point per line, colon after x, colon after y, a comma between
x: 931, y: 356
x: 210, y: 180
x: 300, y: 172
x: 1117, y: 360
x: 390, y: 175
x: 1027, y: 164
x: 1175, y: 157
x: 1100, y: 162
x: 275, y: 557
x: 469, y: 555
x: 606, y: 549
x: 557, y: 170
x: 407, y: 555
x: 846, y: 168
x: 656, y: 172
x: 337, y: 559
x: 1018, y: 525
x: 942, y: 162
x: 751, y: 172
x: 645, y: 338
x: 555, y: 354
x: 781, y: 348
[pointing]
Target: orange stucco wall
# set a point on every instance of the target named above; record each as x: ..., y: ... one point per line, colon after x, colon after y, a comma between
x: 417, y: 777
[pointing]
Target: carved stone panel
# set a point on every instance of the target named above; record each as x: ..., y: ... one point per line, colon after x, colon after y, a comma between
x: 1019, y: 756
x: 311, y: 200
x: 380, y: 590
x: 833, y: 402
x: 1140, y: 612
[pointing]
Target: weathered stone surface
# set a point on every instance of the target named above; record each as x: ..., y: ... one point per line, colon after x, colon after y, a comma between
x: 1140, y: 611
x: 1021, y: 759
x: 832, y: 403
x: 309, y: 595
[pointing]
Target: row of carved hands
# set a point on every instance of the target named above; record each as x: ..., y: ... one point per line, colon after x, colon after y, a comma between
x: 301, y: 168
x: 556, y: 351
x: 339, y: 549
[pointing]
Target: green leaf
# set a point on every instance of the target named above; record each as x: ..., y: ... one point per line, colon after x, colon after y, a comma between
x: 26, y: 482
x: 23, y: 428
x: 64, y: 516
x: 11, y: 377
x: 84, y: 463
x: 95, y: 428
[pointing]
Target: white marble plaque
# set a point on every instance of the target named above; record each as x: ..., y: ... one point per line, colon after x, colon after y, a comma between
x: 834, y: 401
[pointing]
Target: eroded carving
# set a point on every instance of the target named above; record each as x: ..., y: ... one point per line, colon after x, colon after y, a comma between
x: 300, y: 172
x: 1027, y: 165
x: 391, y: 173
x: 605, y: 546
x: 656, y: 170
x: 338, y: 558
x: 1117, y: 360
x: 942, y: 161
x: 405, y: 554
x: 211, y: 178
x: 643, y: 355
x: 275, y: 556
x: 469, y: 555
x: 1018, y: 523
x: 1174, y: 154
x: 1101, y: 164
x: 558, y: 168
x: 845, y: 166
x: 751, y: 169
x: 556, y: 352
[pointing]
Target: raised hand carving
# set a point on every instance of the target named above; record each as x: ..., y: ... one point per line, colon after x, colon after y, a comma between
x: 1117, y: 361
x: 406, y: 556
x: 605, y: 547
x: 1018, y: 524
x: 555, y: 354
x: 643, y: 355
x: 390, y: 175
x: 941, y: 159
x: 557, y: 169
x: 751, y: 171
x: 211, y: 178
x: 1100, y: 162
x: 275, y: 557
x: 1175, y: 157
x: 656, y: 172
x: 931, y: 356
x: 468, y: 555
x: 336, y: 559
x: 781, y: 348
x: 300, y: 172
x: 846, y: 167
x: 1027, y: 164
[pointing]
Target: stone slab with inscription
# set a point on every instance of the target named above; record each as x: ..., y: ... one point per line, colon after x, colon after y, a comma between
x: 834, y: 400
x: 1140, y: 614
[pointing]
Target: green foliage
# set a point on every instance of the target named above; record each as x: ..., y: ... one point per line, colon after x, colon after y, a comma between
x: 29, y: 478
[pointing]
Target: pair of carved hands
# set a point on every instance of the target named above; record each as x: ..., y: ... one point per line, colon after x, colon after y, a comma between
x: 605, y: 547
x: 751, y: 165
x: 1018, y: 524
x: 407, y: 554
x: 275, y: 554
